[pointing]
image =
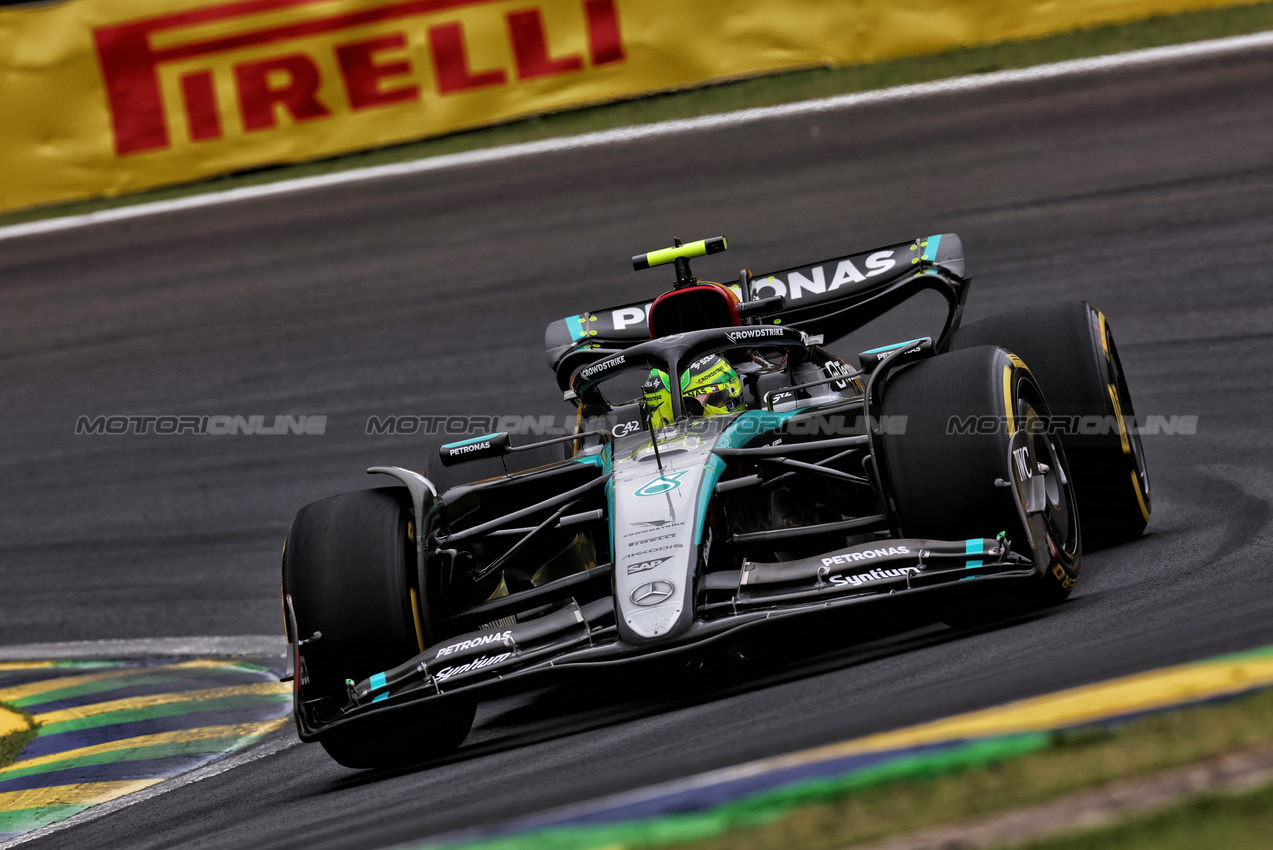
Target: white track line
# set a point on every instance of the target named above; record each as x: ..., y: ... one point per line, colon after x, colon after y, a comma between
x: 276, y: 743
x: 253, y: 645
x: 1073, y: 67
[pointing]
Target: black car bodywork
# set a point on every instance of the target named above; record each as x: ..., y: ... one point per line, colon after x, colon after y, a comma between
x: 640, y: 544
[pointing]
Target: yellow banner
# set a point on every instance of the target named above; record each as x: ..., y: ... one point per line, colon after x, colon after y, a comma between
x: 103, y: 97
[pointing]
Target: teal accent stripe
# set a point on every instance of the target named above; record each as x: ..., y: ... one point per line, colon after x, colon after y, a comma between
x: 715, y: 468
x: 378, y: 681
x: 575, y: 324
x: 383, y: 696
x: 594, y: 459
x: 930, y: 251
x: 741, y: 431
x: 750, y: 425
x: 607, y: 465
x: 891, y: 347
x: 974, y: 546
x: 468, y: 442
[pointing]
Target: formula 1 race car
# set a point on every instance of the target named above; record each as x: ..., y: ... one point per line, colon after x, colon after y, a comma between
x: 726, y: 474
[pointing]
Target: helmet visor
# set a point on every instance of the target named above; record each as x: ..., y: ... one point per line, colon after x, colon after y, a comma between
x: 711, y: 400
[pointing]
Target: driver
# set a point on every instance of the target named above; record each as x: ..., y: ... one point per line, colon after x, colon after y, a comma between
x: 709, y: 387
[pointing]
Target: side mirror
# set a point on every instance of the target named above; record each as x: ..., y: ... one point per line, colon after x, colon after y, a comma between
x: 913, y: 348
x: 487, y: 445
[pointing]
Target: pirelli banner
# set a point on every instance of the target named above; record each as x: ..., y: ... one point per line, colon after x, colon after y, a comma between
x: 102, y: 97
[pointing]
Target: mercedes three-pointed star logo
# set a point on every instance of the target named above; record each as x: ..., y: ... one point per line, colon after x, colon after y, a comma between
x: 652, y: 593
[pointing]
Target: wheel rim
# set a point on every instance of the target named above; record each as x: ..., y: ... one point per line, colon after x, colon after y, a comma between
x: 1060, y: 509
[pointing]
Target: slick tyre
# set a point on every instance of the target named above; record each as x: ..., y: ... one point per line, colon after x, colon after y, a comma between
x: 970, y: 454
x: 346, y: 571
x: 1071, y: 352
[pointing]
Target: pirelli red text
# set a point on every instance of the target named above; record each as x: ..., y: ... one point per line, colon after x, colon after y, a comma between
x: 375, y: 71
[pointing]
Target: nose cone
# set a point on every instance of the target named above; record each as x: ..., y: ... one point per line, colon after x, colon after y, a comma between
x: 657, y: 512
x: 654, y: 528
x: 656, y: 608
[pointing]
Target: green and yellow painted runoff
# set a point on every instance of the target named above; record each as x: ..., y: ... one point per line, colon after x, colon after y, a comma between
x: 706, y: 810
x: 106, y: 729
x: 1130, y: 695
x: 16, y: 729
x: 115, y: 729
x: 11, y: 722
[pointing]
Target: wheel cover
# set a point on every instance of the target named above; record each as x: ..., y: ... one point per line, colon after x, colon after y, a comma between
x: 1044, y: 492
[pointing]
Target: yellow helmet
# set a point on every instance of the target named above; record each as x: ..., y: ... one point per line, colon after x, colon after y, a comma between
x: 657, y: 392
x: 709, y: 387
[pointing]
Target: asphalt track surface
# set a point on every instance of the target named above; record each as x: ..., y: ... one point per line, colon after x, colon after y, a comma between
x: 1146, y: 191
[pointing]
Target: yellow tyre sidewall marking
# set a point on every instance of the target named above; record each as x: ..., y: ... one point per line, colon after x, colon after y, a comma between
x: 1118, y: 414
x: 415, y: 614
x: 1007, y: 400
x: 1140, y: 500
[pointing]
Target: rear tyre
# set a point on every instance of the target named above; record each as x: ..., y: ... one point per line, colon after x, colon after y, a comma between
x: 1070, y: 349
x: 346, y: 567
x: 974, y: 417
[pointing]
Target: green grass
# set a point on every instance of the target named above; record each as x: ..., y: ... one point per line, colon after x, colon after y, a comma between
x: 1243, y: 822
x: 1077, y: 761
x: 758, y: 91
x: 12, y: 744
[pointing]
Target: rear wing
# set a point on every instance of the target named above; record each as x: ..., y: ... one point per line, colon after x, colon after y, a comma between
x: 831, y: 298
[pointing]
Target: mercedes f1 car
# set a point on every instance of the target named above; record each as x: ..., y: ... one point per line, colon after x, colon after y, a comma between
x: 725, y: 474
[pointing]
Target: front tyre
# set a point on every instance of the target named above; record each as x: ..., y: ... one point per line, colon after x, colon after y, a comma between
x: 975, y: 457
x: 347, y: 569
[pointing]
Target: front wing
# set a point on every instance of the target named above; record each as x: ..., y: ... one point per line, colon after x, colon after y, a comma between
x: 868, y: 578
